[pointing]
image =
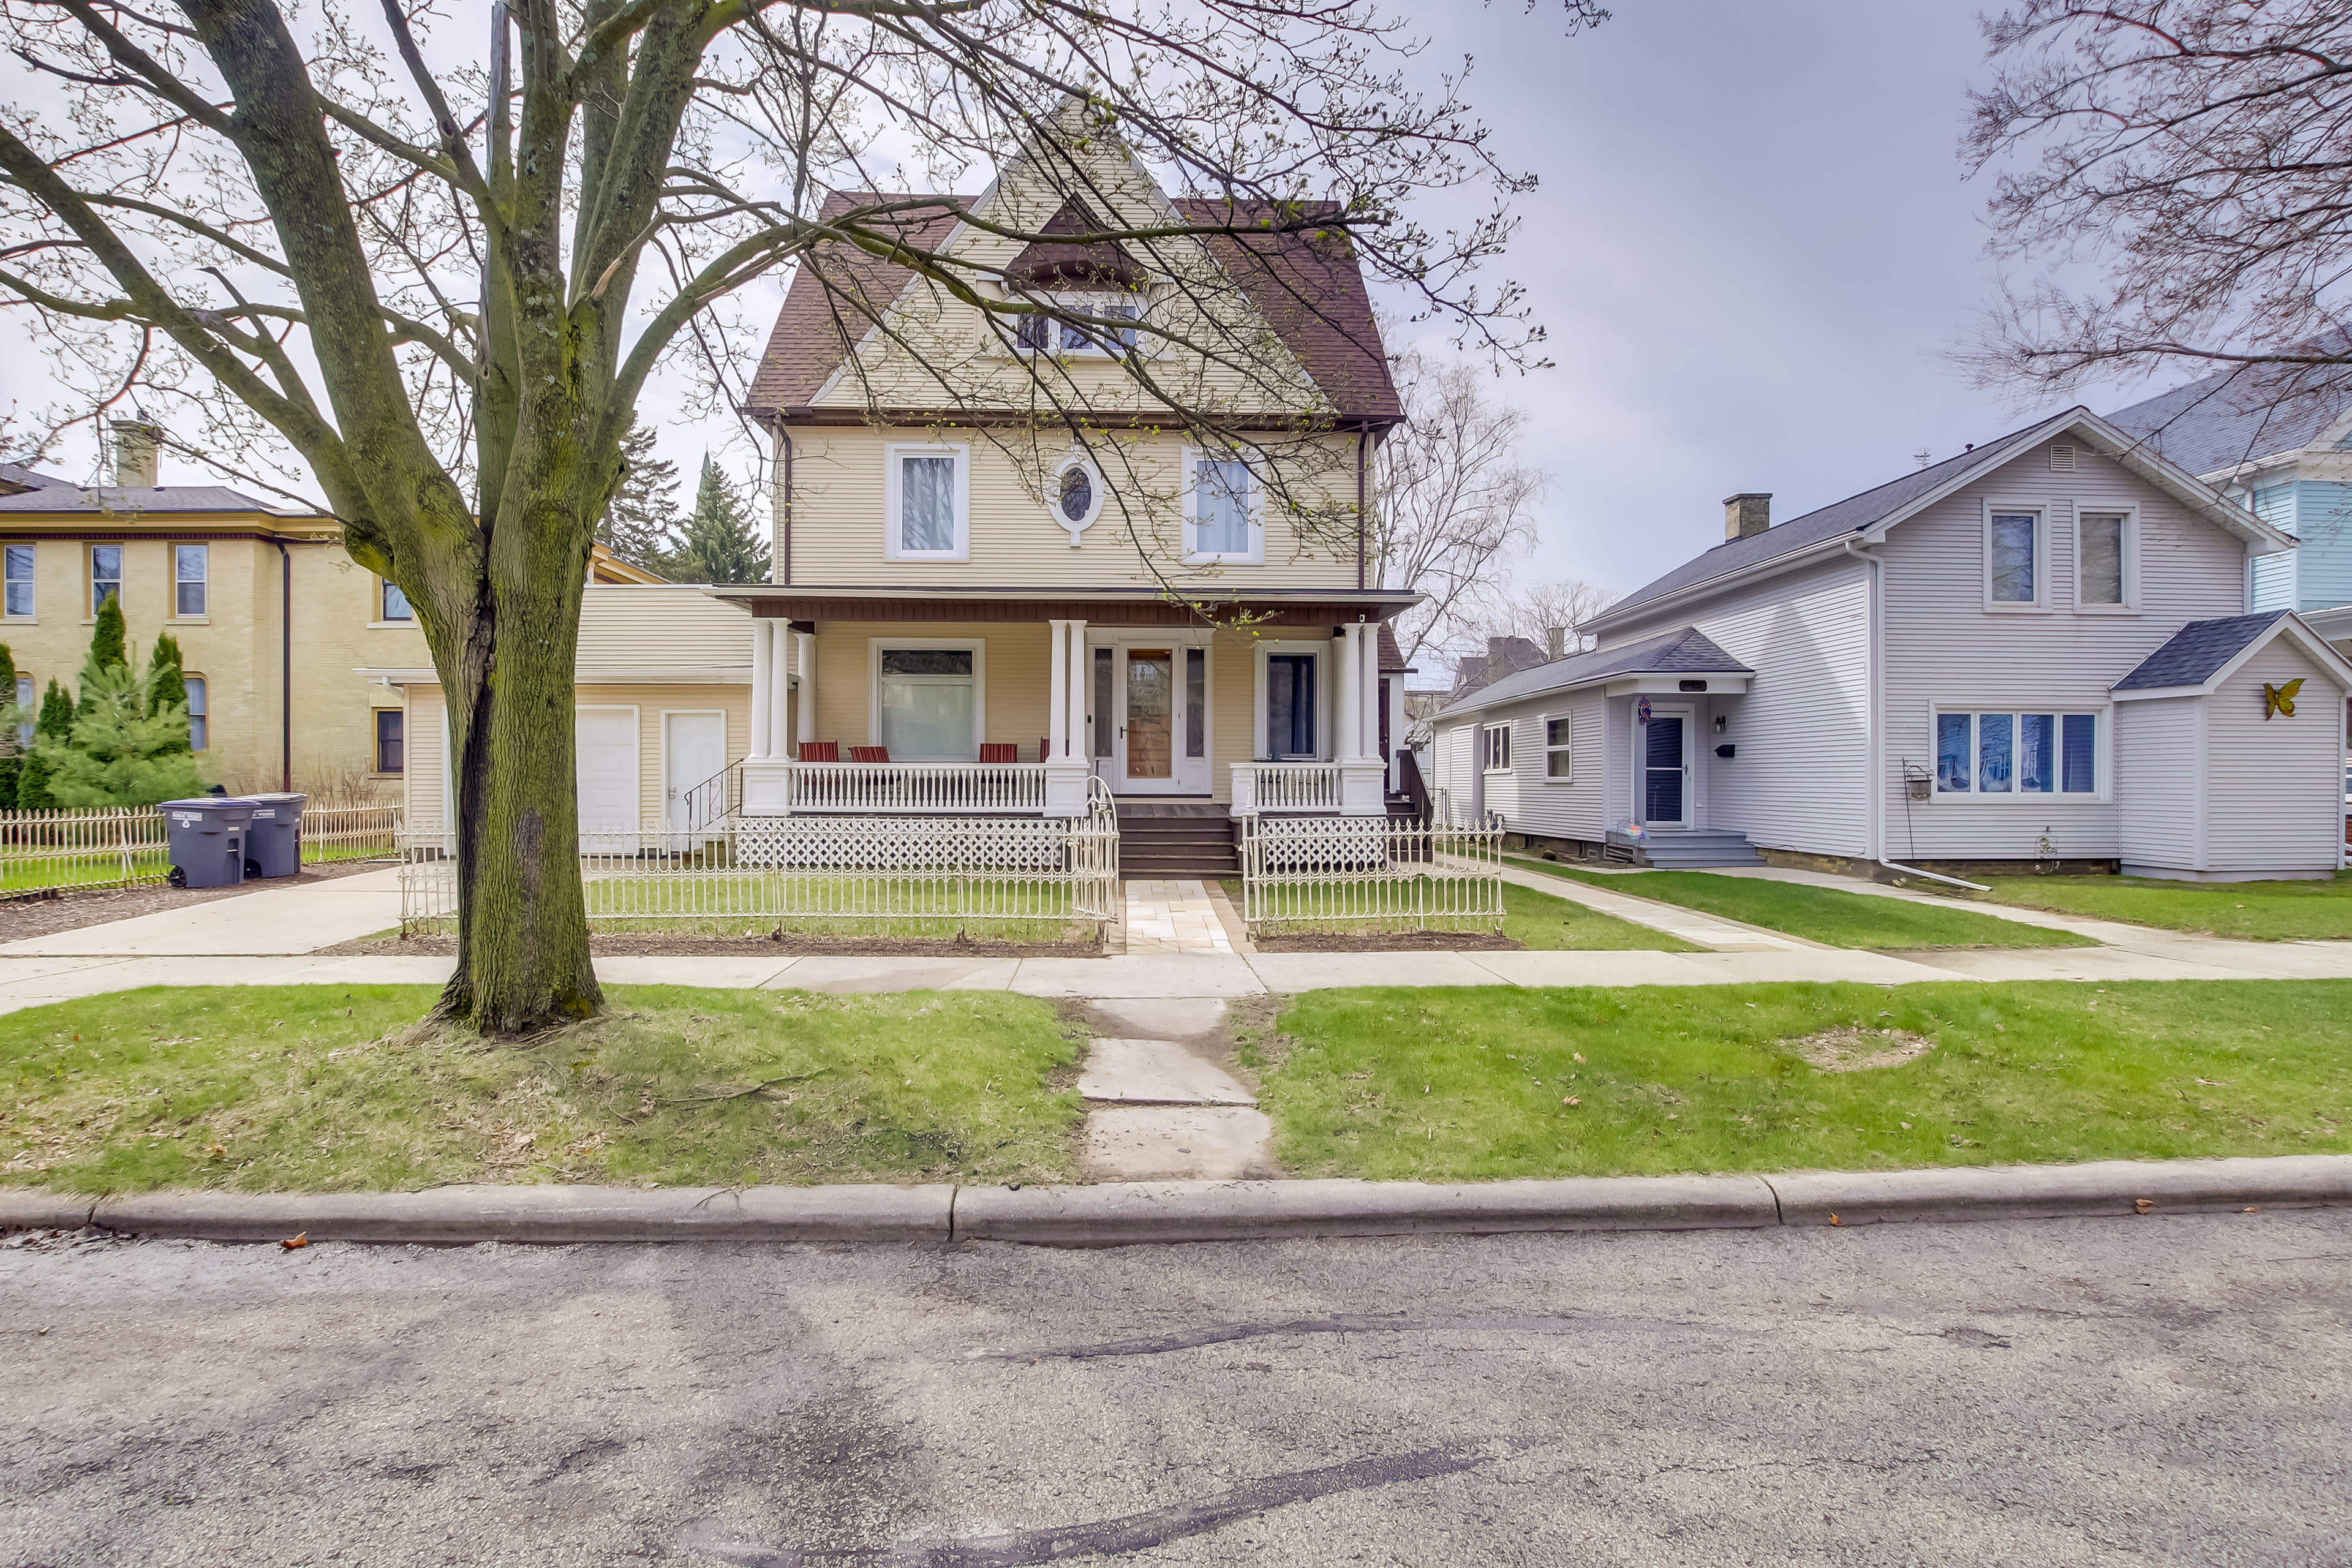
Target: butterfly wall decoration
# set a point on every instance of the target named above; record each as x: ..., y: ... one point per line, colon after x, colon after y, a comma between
x: 2280, y: 700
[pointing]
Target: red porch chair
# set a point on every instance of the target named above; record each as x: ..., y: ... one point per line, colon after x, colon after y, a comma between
x: 999, y: 752
x: 870, y: 753
x: 820, y: 750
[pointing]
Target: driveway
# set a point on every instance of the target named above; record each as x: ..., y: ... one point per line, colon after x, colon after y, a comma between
x: 2167, y: 1390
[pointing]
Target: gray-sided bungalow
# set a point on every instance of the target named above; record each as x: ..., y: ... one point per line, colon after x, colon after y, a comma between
x: 2038, y: 652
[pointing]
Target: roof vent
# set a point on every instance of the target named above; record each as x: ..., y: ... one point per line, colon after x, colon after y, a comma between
x: 2062, y: 456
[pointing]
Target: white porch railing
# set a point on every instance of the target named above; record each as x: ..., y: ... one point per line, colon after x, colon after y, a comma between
x: 1350, y: 874
x: 946, y: 789
x: 907, y: 875
x: 1286, y: 786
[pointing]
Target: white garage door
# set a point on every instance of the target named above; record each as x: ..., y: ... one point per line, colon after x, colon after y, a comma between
x: 607, y: 743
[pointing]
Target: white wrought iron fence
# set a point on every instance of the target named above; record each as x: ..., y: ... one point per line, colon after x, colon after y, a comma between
x: 108, y: 846
x: 1033, y: 878
x: 1358, y: 873
x: 349, y: 833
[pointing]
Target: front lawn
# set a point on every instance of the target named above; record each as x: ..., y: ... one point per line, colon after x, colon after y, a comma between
x: 1827, y: 915
x: 1533, y: 919
x: 2251, y: 911
x: 1468, y: 1084
x: 321, y: 1089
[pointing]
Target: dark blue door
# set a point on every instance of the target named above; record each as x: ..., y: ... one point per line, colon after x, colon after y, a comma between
x: 1664, y: 776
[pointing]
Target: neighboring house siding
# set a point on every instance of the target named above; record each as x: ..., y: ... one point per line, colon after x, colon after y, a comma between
x: 2324, y: 518
x: 624, y: 625
x: 1941, y: 645
x: 2159, y: 754
x: 2274, y: 789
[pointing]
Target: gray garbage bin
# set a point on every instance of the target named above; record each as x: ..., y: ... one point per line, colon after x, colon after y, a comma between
x: 207, y: 839
x: 273, y: 846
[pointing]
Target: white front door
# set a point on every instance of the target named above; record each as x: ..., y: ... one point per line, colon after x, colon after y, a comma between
x: 606, y: 742
x: 1160, y: 717
x: 694, y: 756
x: 1662, y: 763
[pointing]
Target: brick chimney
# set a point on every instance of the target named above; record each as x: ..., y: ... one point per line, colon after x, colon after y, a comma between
x: 136, y: 445
x: 1747, y: 514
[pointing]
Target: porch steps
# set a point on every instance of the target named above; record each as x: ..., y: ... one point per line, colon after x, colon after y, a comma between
x: 1160, y: 840
x: 1688, y: 851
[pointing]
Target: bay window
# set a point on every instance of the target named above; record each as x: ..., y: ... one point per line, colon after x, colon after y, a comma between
x: 2005, y: 753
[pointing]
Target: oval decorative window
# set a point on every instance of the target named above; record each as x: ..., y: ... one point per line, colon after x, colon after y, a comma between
x: 1077, y: 494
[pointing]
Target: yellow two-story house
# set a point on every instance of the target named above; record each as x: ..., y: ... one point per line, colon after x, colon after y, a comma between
x: 1016, y: 554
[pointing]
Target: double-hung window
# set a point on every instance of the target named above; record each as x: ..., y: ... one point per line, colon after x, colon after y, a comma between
x: 200, y: 712
x: 391, y: 741
x: 927, y: 703
x: 2104, y: 563
x: 2016, y: 558
x: 192, y: 567
x: 1221, y: 518
x: 392, y: 604
x: 105, y: 575
x: 928, y: 504
x: 1559, y: 753
x: 21, y: 558
x: 1494, y: 748
x: 2012, y: 754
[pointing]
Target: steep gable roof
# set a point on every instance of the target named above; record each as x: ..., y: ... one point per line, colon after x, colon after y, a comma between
x: 2212, y: 424
x: 1687, y: 651
x: 1868, y: 515
x: 1310, y: 290
x: 2203, y: 653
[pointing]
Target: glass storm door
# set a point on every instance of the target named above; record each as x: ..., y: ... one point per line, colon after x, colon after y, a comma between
x: 1148, y: 730
x: 1664, y: 745
x: 1158, y: 739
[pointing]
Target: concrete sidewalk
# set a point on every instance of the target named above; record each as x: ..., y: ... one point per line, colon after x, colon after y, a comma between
x: 270, y: 922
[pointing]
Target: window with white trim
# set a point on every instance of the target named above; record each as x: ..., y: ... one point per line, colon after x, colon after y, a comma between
x: 929, y: 504
x: 391, y: 603
x: 1220, y: 511
x: 200, y: 710
x: 927, y: 703
x: 2016, y: 558
x: 2021, y: 752
x: 21, y: 560
x: 1559, y: 754
x: 2106, y: 545
x: 1050, y: 334
x: 1494, y: 748
x: 192, y: 570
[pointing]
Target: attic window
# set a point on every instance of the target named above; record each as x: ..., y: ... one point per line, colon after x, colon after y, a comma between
x: 2062, y: 456
x: 1044, y: 334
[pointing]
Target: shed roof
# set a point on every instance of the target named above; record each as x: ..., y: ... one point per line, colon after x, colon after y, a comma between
x: 1687, y: 651
x: 2196, y: 653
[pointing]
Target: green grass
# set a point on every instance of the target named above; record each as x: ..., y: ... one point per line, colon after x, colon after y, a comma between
x: 1467, y: 1084
x: 1819, y: 914
x: 2251, y: 912
x: 320, y: 1089
x: 1533, y: 919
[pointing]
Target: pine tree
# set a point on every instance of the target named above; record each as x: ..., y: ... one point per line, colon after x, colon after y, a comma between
x: 166, y: 685
x: 51, y: 731
x: 120, y: 753
x: 720, y: 544
x: 640, y: 524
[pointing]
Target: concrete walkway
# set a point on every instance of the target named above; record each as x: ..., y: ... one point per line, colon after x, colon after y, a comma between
x: 1160, y: 1105
x: 271, y: 921
x: 1172, y: 916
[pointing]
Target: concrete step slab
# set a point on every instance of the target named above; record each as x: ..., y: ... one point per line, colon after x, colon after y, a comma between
x: 1163, y: 1017
x: 1156, y: 1072
x: 1178, y: 1143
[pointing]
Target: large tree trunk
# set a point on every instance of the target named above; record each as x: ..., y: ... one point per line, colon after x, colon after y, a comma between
x: 523, y: 935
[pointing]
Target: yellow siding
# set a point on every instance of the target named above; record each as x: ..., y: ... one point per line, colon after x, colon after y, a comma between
x: 1015, y: 689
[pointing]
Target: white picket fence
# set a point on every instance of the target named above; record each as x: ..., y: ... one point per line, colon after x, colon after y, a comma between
x: 44, y: 852
x: 887, y: 876
x: 1342, y: 874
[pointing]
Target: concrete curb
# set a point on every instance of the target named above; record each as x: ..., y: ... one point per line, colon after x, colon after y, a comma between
x: 1117, y: 1213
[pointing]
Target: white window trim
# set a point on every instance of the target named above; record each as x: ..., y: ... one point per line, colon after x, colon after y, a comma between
x: 32, y: 616
x: 1079, y: 301
x: 1053, y: 495
x: 1256, y: 554
x: 2130, y: 606
x: 1324, y: 728
x: 203, y: 616
x: 1485, y: 751
x: 1543, y: 731
x: 2102, y: 754
x: 2040, y: 603
x: 894, y: 486
x: 976, y: 646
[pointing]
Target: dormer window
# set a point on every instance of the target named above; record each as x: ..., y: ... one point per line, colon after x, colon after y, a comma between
x: 1052, y: 336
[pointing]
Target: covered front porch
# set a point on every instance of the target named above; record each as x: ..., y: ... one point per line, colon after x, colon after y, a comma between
x: 873, y: 703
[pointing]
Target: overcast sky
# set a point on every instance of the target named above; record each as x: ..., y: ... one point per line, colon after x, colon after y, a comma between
x: 1752, y: 246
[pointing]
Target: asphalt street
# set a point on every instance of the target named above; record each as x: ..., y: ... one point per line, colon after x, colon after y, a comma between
x: 2161, y: 1391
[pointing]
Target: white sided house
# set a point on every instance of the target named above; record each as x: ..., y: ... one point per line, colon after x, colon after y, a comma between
x: 2038, y: 652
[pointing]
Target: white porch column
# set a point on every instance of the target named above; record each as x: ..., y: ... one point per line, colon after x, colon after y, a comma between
x: 1057, y: 706
x: 1065, y: 721
x: 763, y: 634
x: 1361, y: 775
x: 804, y: 662
x: 780, y: 685
x: 1345, y: 709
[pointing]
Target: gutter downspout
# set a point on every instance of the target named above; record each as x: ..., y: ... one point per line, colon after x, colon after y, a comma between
x: 285, y: 667
x: 1875, y: 745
